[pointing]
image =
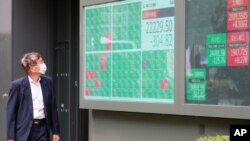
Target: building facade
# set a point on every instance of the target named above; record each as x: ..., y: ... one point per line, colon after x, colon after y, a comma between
x: 136, y: 70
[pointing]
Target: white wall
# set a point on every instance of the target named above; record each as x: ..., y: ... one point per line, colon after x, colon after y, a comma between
x: 122, y: 126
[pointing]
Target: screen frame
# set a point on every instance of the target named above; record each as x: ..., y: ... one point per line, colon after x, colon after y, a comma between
x: 179, y: 106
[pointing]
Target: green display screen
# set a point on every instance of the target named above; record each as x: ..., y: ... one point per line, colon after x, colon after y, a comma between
x: 216, y: 49
x: 129, y: 51
x: 196, y: 84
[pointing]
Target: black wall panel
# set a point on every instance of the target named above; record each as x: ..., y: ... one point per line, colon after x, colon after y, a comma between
x: 32, y: 25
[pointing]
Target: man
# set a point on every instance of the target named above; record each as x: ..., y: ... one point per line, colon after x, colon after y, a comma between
x: 31, y: 107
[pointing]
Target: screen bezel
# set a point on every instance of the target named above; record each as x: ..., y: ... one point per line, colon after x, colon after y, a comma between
x: 179, y: 106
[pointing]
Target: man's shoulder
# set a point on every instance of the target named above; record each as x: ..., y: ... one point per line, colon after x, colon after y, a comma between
x: 46, y: 77
x: 20, y: 80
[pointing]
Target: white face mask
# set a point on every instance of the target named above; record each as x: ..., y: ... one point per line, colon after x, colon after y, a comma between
x: 43, y: 68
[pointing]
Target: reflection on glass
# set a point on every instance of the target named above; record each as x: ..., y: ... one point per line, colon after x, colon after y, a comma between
x: 217, y: 52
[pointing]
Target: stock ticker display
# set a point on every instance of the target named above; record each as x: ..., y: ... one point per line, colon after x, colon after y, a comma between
x: 129, y: 51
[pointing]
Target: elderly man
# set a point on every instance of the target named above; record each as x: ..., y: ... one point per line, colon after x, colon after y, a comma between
x: 31, y: 107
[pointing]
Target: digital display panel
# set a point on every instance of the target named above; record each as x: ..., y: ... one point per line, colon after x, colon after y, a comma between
x: 129, y: 51
x: 217, y: 52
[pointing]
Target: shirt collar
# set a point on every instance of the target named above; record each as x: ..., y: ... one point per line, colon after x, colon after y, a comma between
x: 32, y: 81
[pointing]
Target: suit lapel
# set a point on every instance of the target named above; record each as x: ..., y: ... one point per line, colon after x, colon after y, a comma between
x: 45, y: 91
x: 27, y: 93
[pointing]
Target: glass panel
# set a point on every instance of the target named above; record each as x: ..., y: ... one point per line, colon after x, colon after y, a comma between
x: 217, y: 52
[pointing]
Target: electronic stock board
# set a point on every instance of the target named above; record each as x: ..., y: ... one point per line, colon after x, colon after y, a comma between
x: 128, y: 51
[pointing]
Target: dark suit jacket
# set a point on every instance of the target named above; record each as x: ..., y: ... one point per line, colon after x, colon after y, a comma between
x: 20, y: 108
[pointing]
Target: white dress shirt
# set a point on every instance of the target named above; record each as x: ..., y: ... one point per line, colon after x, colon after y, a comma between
x: 37, y: 99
